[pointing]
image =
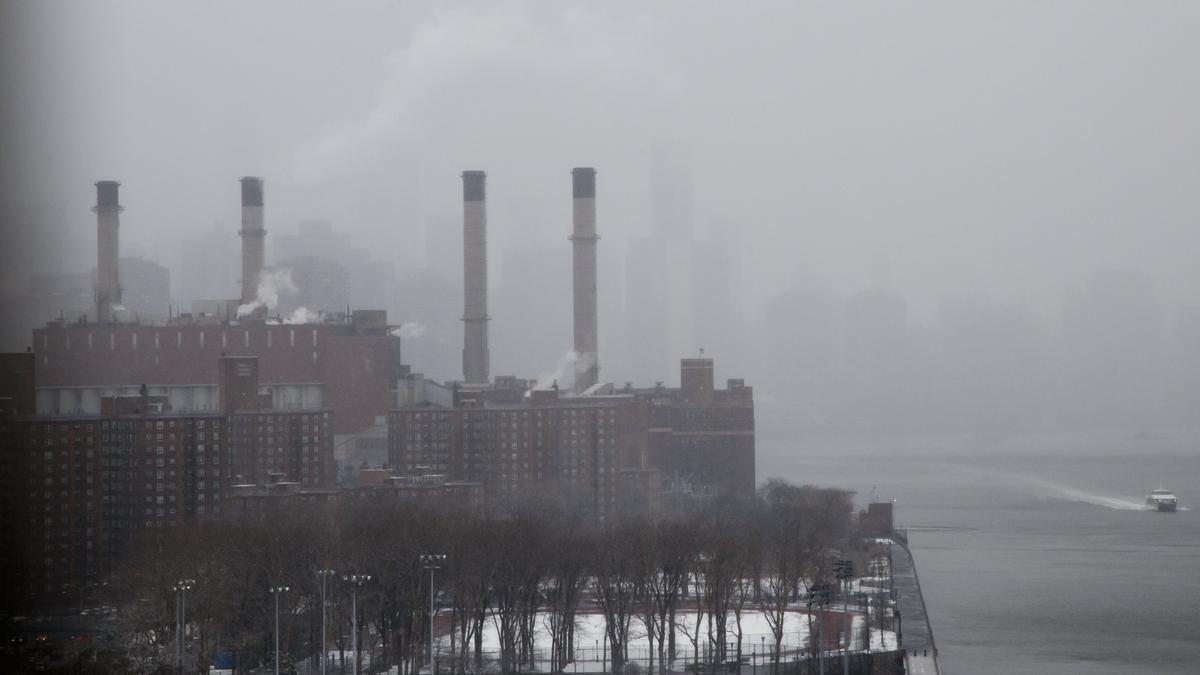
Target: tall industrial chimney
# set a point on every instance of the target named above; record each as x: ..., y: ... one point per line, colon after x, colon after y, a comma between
x: 583, y: 238
x: 476, y: 359
x: 108, y: 224
x: 253, y: 234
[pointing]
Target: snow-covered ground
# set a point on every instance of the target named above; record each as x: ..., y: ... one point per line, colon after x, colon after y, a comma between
x: 757, y: 638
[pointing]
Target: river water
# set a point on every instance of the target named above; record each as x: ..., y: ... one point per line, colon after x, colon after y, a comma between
x: 1035, y: 553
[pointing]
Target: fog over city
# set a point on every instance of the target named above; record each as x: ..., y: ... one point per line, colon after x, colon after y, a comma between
x: 964, y: 216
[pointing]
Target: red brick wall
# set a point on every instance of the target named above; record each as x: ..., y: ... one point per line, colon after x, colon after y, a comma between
x: 358, y: 371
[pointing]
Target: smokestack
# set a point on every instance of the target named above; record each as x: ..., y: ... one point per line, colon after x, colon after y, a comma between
x: 583, y: 238
x: 475, y: 317
x: 108, y: 224
x: 253, y: 234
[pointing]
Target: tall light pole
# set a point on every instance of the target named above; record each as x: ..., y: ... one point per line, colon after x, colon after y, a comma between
x: 276, y: 590
x: 844, y: 569
x: 181, y: 588
x: 431, y: 561
x: 818, y: 594
x: 323, y: 574
x: 356, y: 582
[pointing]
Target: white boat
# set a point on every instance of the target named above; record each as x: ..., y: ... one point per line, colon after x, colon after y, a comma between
x: 1162, y: 500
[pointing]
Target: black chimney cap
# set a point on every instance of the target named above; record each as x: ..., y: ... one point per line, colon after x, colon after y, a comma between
x: 583, y: 180
x: 107, y: 194
x: 474, y: 186
x: 252, y: 191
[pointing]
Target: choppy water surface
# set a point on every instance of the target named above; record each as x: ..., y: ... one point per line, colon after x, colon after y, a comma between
x: 1035, y: 554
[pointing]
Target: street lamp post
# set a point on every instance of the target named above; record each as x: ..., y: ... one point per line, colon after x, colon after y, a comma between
x: 844, y: 569
x: 324, y: 574
x: 356, y: 582
x: 181, y: 588
x: 432, y: 561
x: 818, y: 595
x: 276, y: 590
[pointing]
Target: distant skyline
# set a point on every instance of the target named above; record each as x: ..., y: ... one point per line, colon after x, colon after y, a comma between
x: 993, y: 148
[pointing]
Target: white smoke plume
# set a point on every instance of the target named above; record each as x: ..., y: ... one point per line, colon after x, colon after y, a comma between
x: 270, y: 284
x: 413, y: 329
x: 574, y: 52
x: 564, y: 372
x: 303, y: 315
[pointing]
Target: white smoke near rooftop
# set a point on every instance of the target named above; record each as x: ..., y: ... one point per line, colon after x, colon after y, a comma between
x: 412, y: 329
x: 270, y: 284
x: 564, y: 372
x: 303, y: 315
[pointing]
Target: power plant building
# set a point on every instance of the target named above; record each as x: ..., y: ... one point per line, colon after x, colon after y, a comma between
x: 110, y: 428
x: 350, y: 367
x: 349, y: 364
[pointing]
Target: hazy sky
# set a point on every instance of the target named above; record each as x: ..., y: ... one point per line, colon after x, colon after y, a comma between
x: 938, y: 148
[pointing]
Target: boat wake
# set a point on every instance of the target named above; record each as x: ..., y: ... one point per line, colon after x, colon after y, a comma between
x: 1041, y: 487
x: 1067, y: 493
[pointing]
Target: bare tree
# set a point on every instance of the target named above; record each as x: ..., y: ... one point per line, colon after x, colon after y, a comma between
x: 801, y: 523
x: 616, y: 581
x: 566, y: 581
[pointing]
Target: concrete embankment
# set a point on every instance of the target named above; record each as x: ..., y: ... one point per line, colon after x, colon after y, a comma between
x: 916, y: 635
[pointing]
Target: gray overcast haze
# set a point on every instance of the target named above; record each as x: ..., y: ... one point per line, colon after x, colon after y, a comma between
x: 943, y: 151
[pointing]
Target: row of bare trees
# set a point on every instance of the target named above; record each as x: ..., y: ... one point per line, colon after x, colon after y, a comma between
x: 534, y: 565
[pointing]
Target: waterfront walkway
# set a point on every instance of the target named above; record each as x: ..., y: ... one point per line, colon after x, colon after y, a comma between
x: 916, y: 636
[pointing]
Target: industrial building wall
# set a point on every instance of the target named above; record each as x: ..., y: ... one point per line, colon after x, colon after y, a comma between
x: 358, y: 371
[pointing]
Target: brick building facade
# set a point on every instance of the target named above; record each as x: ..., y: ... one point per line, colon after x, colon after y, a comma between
x: 608, y: 450
x: 573, y: 444
x: 702, y: 435
x: 79, y: 490
x: 350, y: 367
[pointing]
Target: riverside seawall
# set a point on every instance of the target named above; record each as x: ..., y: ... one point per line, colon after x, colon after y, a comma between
x: 916, y: 634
